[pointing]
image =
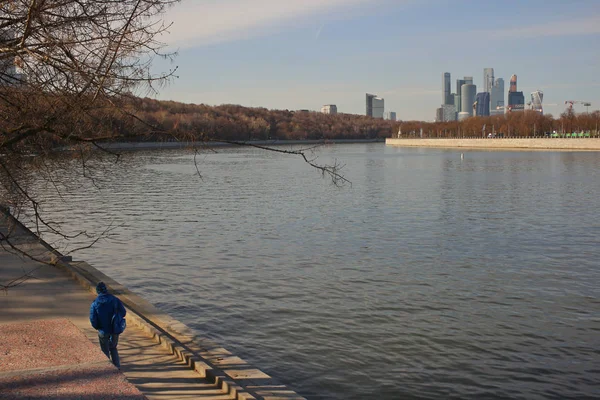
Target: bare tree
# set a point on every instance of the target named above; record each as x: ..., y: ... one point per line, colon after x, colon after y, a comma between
x: 69, y: 70
x: 66, y: 67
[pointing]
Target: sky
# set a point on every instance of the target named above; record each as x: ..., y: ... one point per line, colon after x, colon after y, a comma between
x: 302, y: 54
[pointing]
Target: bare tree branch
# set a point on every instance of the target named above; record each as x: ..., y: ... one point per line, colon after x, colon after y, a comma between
x: 70, y: 74
x: 333, y: 171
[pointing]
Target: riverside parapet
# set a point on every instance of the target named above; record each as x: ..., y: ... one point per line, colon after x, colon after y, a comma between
x: 573, y: 144
x: 219, y: 373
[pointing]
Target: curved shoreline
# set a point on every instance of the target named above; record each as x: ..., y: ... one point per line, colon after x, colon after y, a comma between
x: 575, y: 144
x: 181, y: 145
x: 206, y: 357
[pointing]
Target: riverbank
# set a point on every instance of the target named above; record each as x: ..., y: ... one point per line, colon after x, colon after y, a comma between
x: 578, y: 144
x: 161, y: 356
x: 268, y: 143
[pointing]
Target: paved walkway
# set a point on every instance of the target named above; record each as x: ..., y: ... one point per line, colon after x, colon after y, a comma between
x: 47, y: 359
x: 52, y: 294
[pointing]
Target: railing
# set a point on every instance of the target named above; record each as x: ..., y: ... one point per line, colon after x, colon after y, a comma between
x: 552, y: 136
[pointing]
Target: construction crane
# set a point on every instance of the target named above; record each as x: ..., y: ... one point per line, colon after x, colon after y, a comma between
x: 528, y: 104
x: 586, y: 104
x: 509, y: 109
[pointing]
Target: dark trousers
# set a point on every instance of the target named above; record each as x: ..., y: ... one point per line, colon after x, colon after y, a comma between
x: 108, y: 344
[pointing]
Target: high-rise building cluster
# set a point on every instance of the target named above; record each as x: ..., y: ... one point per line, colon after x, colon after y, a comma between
x: 466, y: 102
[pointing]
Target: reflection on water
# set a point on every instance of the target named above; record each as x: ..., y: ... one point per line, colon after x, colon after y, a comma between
x: 431, y: 277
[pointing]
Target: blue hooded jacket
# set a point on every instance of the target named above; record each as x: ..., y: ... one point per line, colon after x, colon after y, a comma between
x: 102, y: 311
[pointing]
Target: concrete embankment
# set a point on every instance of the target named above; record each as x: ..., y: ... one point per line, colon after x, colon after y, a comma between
x: 161, y: 356
x: 575, y: 144
x: 267, y: 143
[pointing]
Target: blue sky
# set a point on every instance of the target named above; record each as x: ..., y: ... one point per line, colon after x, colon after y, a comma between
x: 301, y: 54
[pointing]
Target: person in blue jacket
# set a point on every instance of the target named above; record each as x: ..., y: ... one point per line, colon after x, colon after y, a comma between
x: 101, y: 313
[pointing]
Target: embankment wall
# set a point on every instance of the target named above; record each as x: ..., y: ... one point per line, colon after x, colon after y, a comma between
x: 575, y: 144
x: 209, y: 359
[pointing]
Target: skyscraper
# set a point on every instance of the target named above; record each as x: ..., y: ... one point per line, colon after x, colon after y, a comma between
x: 536, y: 101
x: 513, y: 83
x: 369, y: 104
x: 447, y: 98
x: 439, y: 114
x: 497, y: 97
x: 483, y: 104
x: 448, y: 113
x: 457, y: 99
x: 516, y: 100
x: 488, y: 79
x: 378, y: 107
x: 467, y: 97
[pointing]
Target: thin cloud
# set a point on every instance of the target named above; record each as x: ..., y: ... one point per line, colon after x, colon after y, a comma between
x: 209, y: 22
x: 562, y: 86
x: 318, y: 34
x: 573, y: 27
x: 411, y: 92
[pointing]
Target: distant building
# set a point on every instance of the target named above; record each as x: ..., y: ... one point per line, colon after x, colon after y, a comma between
x: 446, y: 90
x: 391, y: 115
x: 488, y: 79
x: 12, y: 76
x: 489, y: 86
x: 513, y: 84
x: 329, y: 109
x: 448, y: 112
x: 439, y: 114
x: 536, y: 101
x: 516, y: 101
x: 463, y: 115
x: 11, y: 72
x: 458, y: 97
x: 378, y: 107
x: 497, y: 97
x: 369, y: 104
x: 467, y: 97
x: 7, y: 66
x: 483, y: 104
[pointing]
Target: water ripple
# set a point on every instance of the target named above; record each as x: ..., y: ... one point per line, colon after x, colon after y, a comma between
x: 430, y: 278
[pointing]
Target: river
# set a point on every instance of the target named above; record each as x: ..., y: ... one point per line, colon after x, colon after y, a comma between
x: 431, y: 276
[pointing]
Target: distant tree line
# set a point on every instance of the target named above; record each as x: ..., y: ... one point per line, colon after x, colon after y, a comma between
x: 521, y: 124
x: 238, y: 123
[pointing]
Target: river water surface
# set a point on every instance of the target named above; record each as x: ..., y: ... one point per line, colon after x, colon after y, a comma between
x: 430, y: 277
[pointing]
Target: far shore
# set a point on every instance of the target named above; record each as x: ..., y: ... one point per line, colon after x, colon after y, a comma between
x: 571, y: 144
x: 181, y: 145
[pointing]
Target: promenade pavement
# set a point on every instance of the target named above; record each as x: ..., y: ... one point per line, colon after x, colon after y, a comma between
x: 31, y: 315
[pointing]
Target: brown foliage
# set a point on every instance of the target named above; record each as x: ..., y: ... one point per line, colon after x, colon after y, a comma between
x: 519, y: 124
x: 237, y: 123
